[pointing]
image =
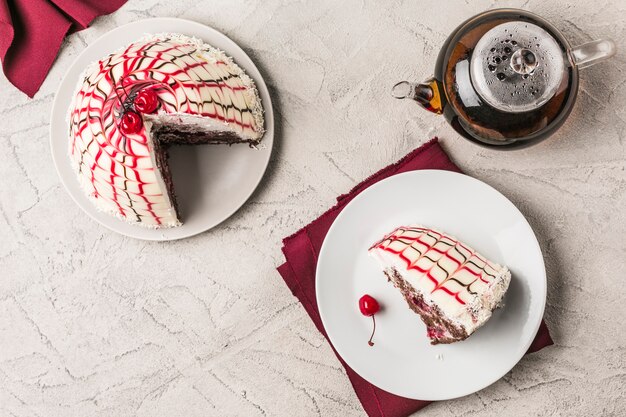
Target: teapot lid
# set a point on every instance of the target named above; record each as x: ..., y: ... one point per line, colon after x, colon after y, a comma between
x: 517, y: 66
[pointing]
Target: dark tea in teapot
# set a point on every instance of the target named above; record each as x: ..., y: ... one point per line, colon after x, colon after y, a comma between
x: 505, y: 78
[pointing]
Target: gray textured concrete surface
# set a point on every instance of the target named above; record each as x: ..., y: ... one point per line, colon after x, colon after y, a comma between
x: 96, y: 324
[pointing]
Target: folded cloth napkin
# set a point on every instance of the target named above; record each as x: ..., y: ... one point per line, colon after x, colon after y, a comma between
x: 31, y: 32
x: 301, y: 251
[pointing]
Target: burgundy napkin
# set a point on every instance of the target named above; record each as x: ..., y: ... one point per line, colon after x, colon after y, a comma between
x: 31, y: 32
x: 302, y: 248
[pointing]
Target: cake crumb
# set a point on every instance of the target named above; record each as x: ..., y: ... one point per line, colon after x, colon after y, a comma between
x: 439, y: 356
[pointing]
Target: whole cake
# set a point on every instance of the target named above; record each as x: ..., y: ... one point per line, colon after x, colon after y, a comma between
x: 130, y: 106
x: 453, y: 288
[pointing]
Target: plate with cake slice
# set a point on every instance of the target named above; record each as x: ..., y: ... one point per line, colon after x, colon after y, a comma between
x: 431, y: 285
x: 162, y: 129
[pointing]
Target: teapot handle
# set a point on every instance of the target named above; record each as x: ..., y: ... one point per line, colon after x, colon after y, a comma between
x: 590, y: 53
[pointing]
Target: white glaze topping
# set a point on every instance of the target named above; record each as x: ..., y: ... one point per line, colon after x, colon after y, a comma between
x: 195, y: 84
x: 463, y: 284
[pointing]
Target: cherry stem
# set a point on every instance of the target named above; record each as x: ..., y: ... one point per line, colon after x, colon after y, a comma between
x: 369, y: 342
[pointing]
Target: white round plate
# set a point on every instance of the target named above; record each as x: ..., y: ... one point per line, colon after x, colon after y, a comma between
x: 211, y: 181
x: 402, y: 361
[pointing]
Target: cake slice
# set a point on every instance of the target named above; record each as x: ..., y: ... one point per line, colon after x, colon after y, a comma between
x: 453, y: 288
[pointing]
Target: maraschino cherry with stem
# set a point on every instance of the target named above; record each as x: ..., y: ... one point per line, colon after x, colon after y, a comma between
x: 369, y: 307
x: 130, y: 122
x: 146, y: 101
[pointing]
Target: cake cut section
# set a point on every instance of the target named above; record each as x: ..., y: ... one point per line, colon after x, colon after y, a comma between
x: 178, y: 90
x: 452, y: 287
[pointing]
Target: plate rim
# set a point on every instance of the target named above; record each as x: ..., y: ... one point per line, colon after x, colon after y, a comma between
x: 160, y: 234
x: 543, y: 279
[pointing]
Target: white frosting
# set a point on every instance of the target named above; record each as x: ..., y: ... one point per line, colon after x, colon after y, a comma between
x: 464, y: 285
x: 196, y: 85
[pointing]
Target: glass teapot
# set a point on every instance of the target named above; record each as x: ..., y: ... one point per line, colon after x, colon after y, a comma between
x: 505, y: 78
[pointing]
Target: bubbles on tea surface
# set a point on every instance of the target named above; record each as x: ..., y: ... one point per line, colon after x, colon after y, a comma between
x: 517, y: 66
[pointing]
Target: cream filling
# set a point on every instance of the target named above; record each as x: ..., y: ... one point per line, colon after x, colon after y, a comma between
x: 192, y: 123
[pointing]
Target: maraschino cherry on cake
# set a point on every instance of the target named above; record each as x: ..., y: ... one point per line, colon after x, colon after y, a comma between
x: 130, y: 106
x: 452, y: 287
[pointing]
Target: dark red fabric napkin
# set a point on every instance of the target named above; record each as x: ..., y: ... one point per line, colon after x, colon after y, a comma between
x: 302, y: 248
x: 31, y: 32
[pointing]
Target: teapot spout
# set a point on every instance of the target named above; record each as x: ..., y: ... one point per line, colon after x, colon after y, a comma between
x: 425, y: 94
